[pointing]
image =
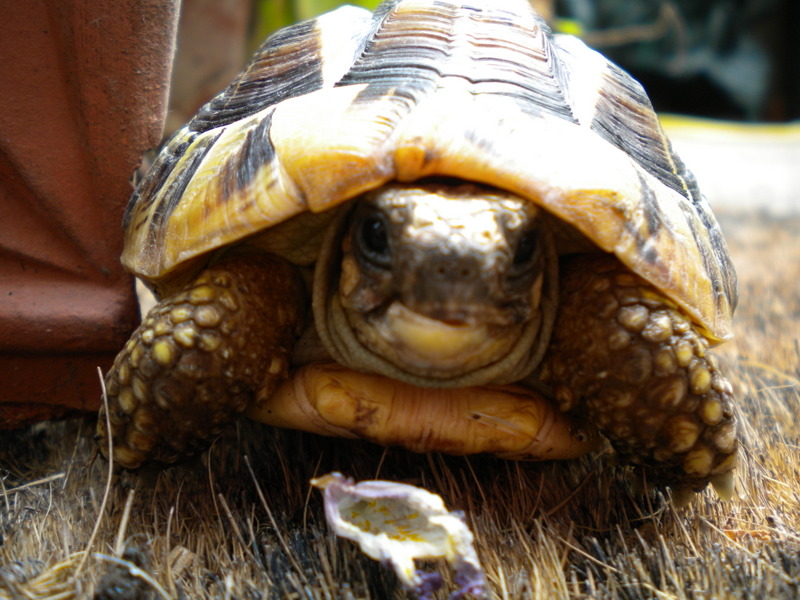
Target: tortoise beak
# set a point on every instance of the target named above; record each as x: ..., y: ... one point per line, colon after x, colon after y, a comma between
x: 432, y: 341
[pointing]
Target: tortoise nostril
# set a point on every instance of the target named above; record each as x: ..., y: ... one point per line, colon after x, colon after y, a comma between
x: 449, y: 269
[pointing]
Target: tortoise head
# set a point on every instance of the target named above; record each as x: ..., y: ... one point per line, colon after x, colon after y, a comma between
x: 439, y: 284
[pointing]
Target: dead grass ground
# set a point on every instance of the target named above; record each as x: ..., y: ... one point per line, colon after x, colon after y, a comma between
x: 213, y: 529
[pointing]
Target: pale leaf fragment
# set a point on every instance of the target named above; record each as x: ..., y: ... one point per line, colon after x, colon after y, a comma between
x: 396, y: 524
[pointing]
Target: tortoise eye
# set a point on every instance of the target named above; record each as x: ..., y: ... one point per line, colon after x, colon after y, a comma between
x: 526, y: 249
x: 374, y: 239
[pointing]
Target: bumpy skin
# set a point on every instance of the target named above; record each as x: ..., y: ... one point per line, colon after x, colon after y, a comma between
x: 625, y: 357
x: 200, y: 356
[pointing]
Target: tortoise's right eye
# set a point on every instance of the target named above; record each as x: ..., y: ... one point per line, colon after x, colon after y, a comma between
x: 527, y: 247
x: 373, y: 237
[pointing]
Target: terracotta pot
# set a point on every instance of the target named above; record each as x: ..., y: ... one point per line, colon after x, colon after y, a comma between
x: 83, y: 92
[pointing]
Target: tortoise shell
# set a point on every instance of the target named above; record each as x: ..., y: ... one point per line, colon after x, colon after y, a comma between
x: 481, y: 91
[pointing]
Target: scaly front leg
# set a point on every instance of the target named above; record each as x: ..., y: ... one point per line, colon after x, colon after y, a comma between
x: 624, y: 356
x: 199, y: 358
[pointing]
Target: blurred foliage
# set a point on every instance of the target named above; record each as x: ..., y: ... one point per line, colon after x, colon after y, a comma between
x: 274, y: 14
x: 696, y: 57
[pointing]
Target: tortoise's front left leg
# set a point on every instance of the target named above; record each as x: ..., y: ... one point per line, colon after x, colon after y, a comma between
x: 627, y: 358
x: 199, y: 358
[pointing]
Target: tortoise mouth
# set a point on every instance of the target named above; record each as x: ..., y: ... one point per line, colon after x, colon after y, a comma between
x: 419, y: 342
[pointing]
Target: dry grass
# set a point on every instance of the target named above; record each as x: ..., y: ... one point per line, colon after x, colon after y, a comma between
x: 210, y: 529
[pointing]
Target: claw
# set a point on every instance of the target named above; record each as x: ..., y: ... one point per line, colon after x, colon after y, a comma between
x: 723, y: 485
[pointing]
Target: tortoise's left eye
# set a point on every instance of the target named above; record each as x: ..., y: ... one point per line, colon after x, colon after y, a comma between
x: 373, y: 238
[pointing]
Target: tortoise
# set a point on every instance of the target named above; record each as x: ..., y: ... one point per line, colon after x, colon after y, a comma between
x: 438, y: 226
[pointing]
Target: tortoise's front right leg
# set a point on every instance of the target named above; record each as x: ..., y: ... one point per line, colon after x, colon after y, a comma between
x: 199, y: 358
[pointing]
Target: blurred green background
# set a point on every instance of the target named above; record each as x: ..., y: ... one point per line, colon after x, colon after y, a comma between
x: 734, y: 59
x: 730, y: 59
x: 269, y: 15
